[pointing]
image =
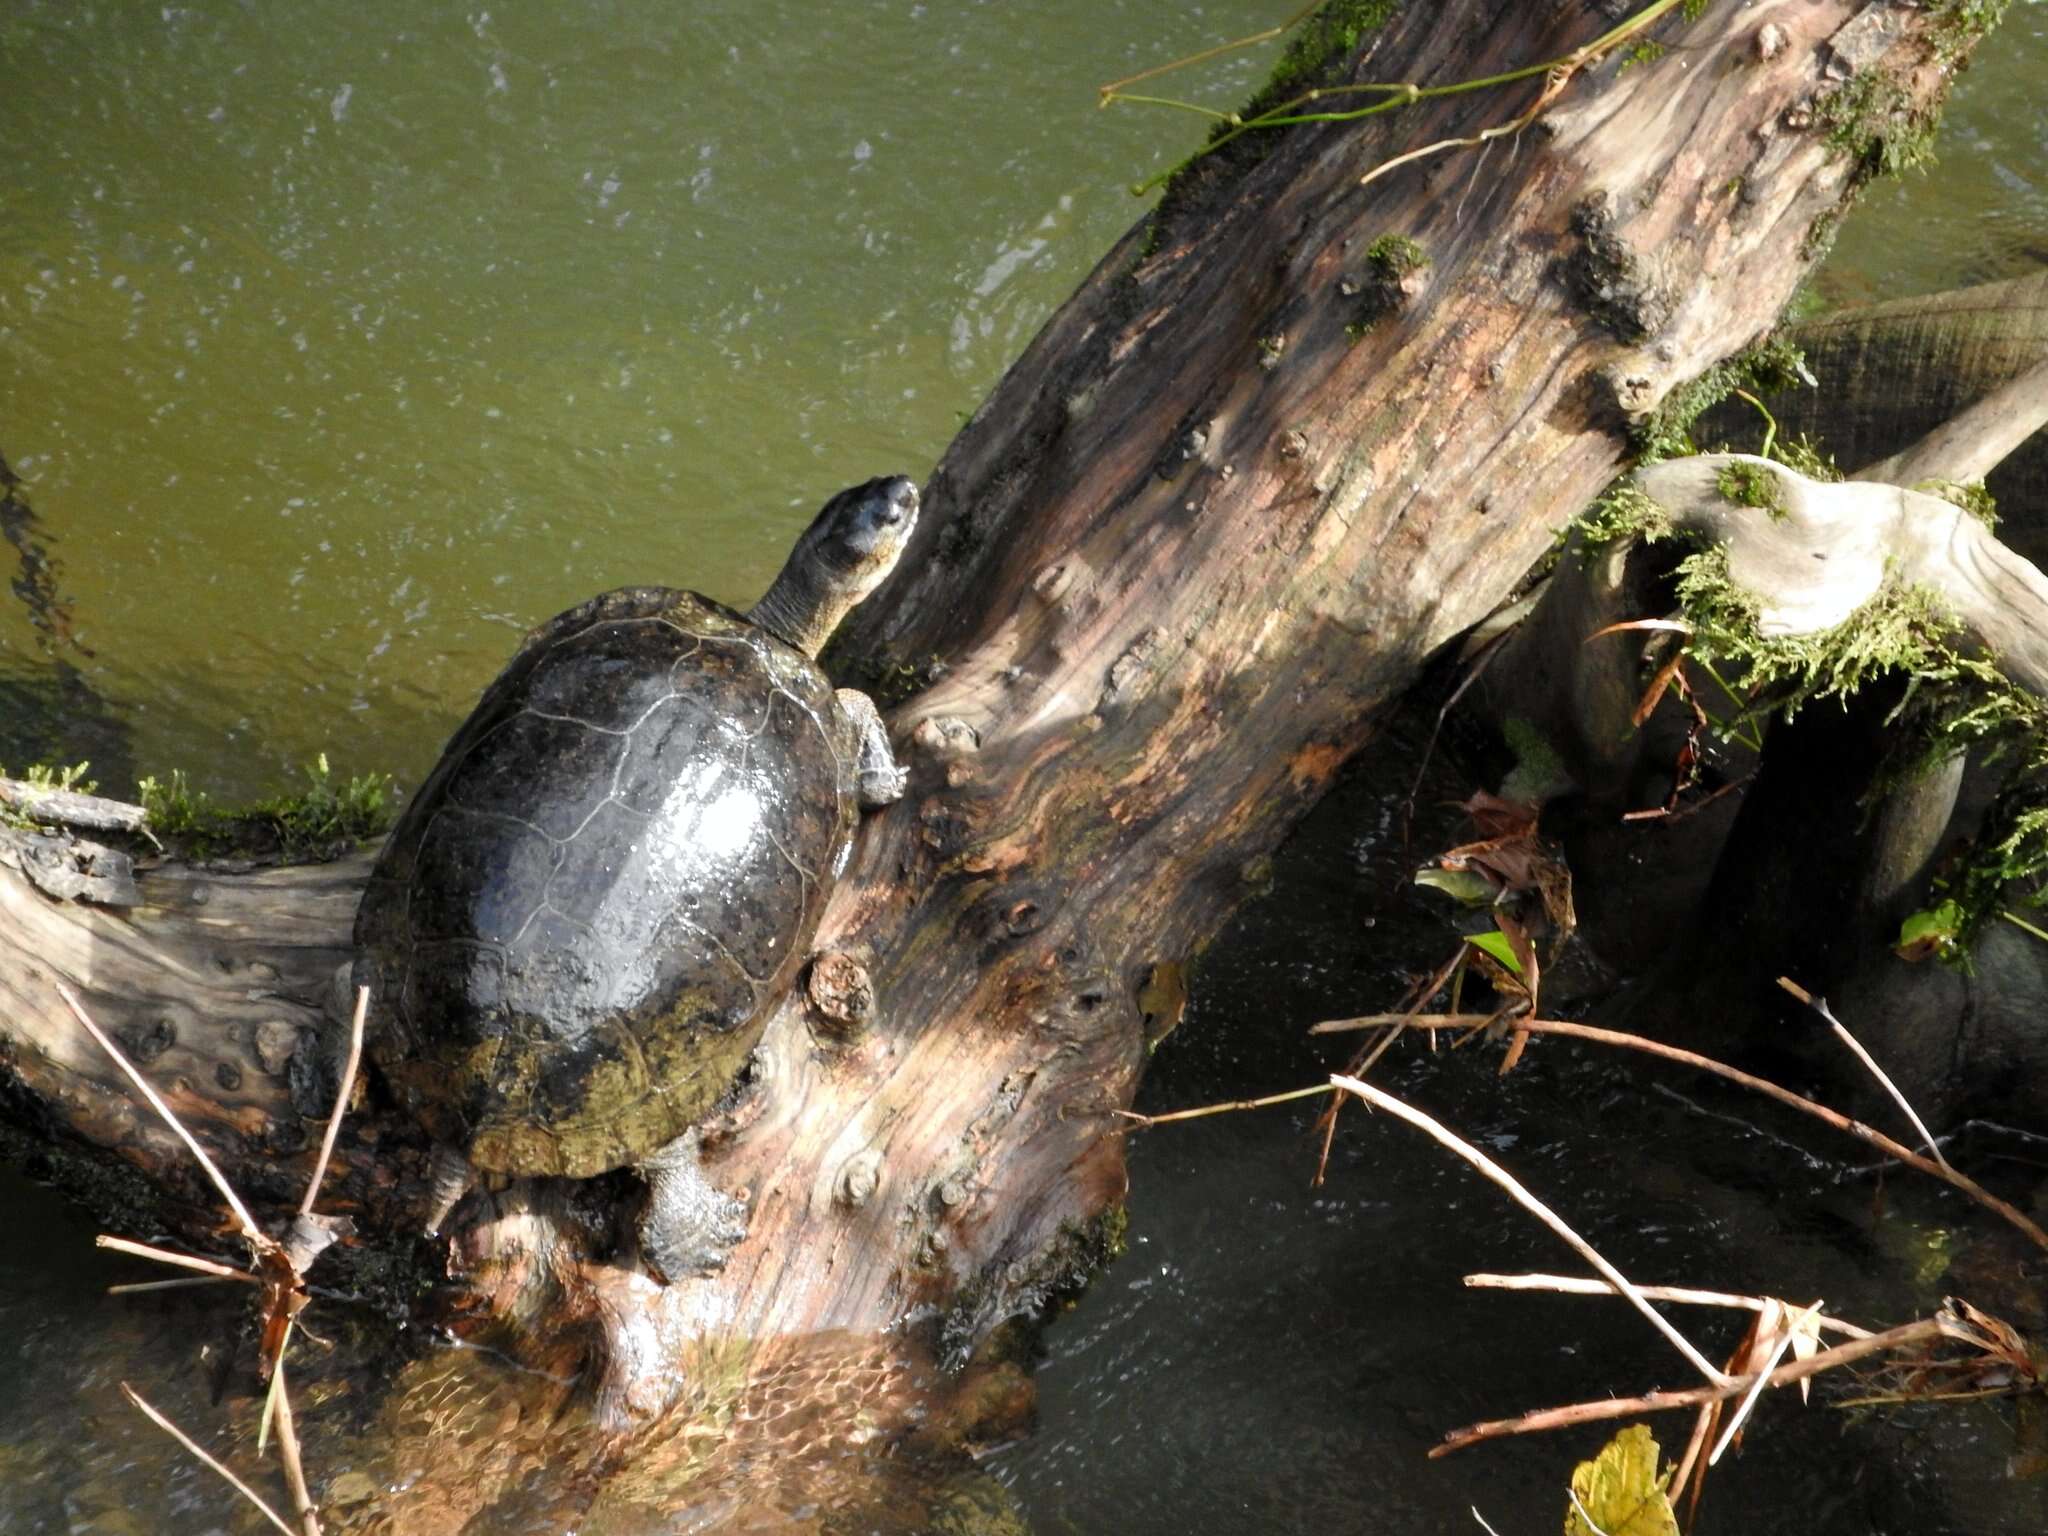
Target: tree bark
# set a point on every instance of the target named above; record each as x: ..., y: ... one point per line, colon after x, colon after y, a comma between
x: 1887, y: 371
x: 1232, y: 497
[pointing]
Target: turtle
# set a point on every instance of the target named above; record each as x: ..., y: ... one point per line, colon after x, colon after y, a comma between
x: 578, y: 927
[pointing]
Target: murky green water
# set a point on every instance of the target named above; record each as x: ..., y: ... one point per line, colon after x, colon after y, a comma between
x: 337, y: 345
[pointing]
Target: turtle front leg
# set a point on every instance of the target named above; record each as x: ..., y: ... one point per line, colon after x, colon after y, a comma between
x: 690, y: 1226
x: 882, y: 778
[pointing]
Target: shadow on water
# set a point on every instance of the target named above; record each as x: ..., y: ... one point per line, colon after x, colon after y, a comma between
x: 48, y: 710
x: 1271, y: 1356
x: 62, y: 704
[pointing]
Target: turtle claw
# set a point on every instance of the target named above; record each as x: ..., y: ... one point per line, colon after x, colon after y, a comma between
x: 690, y: 1226
x: 883, y: 785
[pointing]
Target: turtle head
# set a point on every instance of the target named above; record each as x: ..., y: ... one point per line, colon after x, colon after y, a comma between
x: 849, y: 549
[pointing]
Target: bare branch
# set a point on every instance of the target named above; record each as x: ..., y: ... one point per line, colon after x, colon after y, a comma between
x: 288, y: 1446
x: 181, y: 1260
x: 186, y: 1441
x: 348, y: 1082
x: 1574, y: 1285
x: 250, y: 1230
x: 1920, y: 1332
x: 1820, y: 1006
x: 1535, y: 1207
x: 1972, y: 443
x: 1785, y: 1096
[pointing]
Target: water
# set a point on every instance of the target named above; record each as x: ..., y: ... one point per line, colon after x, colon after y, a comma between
x: 338, y: 346
x: 1274, y: 1357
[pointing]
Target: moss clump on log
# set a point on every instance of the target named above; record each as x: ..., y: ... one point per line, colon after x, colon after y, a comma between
x: 1957, y: 701
x: 1319, y: 43
x: 1666, y: 433
x: 1624, y: 512
x: 1321, y: 39
x: 1751, y: 485
x: 325, y: 820
x: 1970, y: 495
x: 1390, y: 262
x: 1872, y: 119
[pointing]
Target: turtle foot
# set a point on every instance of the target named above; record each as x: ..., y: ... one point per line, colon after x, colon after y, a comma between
x: 690, y: 1226
x: 450, y: 1177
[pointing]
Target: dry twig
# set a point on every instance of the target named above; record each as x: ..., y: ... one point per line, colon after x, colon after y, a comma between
x: 255, y: 1235
x: 179, y: 1260
x: 1573, y: 1285
x: 1144, y: 1122
x: 348, y: 1080
x: 1864, y: 1133
x: 191, y: 1445
x: 288, y: 1453
x: 1522, y: 1197
x: 279, y: 1267
x: 1820, y: 1006
x: 1920, y: 1332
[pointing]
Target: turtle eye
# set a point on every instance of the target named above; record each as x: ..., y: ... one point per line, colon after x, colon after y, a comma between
x: 899, y: 502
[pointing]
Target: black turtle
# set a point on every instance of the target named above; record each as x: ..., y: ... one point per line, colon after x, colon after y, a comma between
x: 578, y: 926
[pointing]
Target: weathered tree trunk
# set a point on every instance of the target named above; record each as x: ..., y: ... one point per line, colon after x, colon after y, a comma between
x: 1890, y: 371
x: 1243, y: 484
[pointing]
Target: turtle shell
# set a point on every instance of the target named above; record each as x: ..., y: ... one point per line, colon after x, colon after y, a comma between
x: 577, y: 928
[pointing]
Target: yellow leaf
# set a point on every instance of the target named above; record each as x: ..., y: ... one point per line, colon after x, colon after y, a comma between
x: 1618, y: 1491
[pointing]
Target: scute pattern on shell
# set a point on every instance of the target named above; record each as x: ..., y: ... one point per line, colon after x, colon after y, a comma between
x: 581, y: 920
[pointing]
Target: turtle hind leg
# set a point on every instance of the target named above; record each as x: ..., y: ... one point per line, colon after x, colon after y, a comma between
x: 690, y: 1226
x: 449, y: 1177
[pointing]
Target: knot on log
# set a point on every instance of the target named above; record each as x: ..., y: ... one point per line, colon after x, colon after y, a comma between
x: 1617, y: 286
x: 858, y: 1179
x: 841, y: 992
x: 950, y: 742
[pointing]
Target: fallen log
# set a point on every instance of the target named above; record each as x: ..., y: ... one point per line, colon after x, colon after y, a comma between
x: 1292, y: 436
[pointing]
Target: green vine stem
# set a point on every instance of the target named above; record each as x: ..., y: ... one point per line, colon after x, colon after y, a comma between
x: 1397, y: 94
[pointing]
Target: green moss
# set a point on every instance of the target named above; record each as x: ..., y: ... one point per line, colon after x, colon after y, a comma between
x: 1766, y: 368
x: 1874, y: 120
x: 1970, y: 495
x: 886, y: 679
x: 1539, y: 773
x: 1955, y: 702
x: 1320, y: 39
x: 1624, y: 512
x: 1317, y: 44
x: 1806, y: 456
x: 1904, y: 629
x: 1395, y: 256
x: 324, y: 820
x: 1644, y: 51
x: 1751, y: 485
x: 1148, y: 247
x: 1959, y: 23
x: 1388, y: 262
x: 44, y: 776
x: 1819, y: 238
